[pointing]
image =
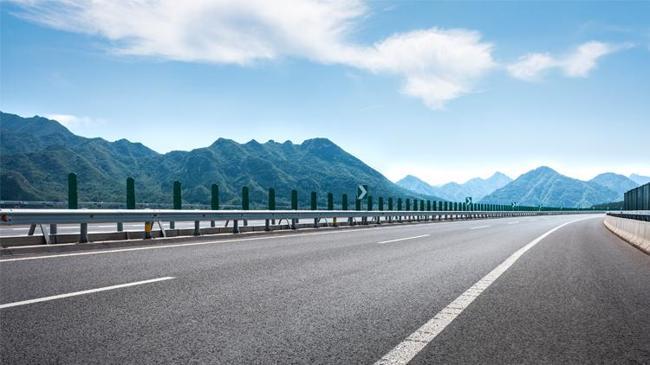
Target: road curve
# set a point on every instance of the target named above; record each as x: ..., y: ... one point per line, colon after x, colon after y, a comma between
x: 579, y: 294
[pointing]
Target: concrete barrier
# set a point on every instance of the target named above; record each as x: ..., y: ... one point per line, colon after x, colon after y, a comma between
x: 633, y: 231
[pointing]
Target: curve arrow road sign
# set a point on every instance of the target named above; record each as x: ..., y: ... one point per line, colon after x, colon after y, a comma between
x: 362, y: 191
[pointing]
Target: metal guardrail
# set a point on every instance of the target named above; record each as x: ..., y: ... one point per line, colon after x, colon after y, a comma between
x: 640, y: 215
x: 52, y: 217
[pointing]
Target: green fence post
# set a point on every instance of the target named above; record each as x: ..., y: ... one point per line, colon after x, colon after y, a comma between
x: 314, y: 206
x: 130, y: 199
x: 330, y: 206
x: 271, y: 206
x: 214, y: 200
x: 344, y: 206
x: 245, y: 202
x: 177, y: 195
x: 73, y: 201
x: 294, y: 206
x: 130, y: 193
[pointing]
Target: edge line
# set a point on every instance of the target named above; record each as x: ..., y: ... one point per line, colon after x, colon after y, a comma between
x: 406, y: 350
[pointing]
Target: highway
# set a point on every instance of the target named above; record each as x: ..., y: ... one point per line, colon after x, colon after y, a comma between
x: 556, y: 289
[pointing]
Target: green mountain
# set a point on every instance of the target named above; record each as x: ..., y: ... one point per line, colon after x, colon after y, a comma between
x: 477, y: 187
x: 615, y: 182
x: 547, y: 187
x: 36, y: 154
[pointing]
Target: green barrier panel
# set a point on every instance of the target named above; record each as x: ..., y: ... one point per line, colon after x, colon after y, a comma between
x: 271, y: 199
x: 73, y: 195
x: 214, y: 201
x: 330, y: 201
x: 344, y: 202
x: 294, y: 200
x: 130, y: 193
x: 245, y: 200
x: 314, y: 201
x: 178, y: 201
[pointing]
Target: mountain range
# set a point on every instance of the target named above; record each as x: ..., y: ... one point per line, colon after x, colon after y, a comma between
x: 37, y: 153
x: 477, y: 188
x: 543, y: 186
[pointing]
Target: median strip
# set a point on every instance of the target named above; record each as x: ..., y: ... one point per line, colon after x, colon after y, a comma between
x: 406, y: 350
x: 403, y: 239
x: 83, y: 292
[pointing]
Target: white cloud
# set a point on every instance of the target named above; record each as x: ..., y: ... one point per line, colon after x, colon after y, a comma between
x: 435, y: 65
x: 578, y: 63
x: 72, y: 121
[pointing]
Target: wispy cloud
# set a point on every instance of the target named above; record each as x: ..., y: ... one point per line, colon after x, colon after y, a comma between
x: 435, y: 65
x: 578, y: 63
x: 74, y: 121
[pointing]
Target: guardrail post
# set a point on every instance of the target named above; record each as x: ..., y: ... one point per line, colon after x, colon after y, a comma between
x: 73, y: 203
x: 214, y: 201
x: 344, y: 206
x: 245, y: 202
x: 399, y: 209
x: 197, y: 228
x: 294, y: 206
x: 422, y: 208
x: 408, y: 209
x: 330, y: 206
x: 271, y: 207
x: 235, y: 226
x: 177, y: 201
x: 314, y: 206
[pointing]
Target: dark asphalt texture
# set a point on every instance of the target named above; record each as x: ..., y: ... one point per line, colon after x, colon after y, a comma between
x: 580, y: 295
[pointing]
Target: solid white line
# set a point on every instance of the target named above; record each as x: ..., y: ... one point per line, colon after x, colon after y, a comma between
x: 418, y: 340
x: 403, y: 239
x: 480, y: 227
x: 74, y: 294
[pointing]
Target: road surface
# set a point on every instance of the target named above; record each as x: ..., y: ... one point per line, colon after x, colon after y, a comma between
x: 559, y: 289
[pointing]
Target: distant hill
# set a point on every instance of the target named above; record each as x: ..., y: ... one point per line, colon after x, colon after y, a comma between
x: 36, y: 154
x: 615, y: 182
x: 547, y: 187
x: 640, y: 179
x: 416, y: 185
x: 477, y: 188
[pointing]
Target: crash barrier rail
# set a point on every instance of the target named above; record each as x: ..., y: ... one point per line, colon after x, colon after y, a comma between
x: 46, y: 220
x: 640, y: 215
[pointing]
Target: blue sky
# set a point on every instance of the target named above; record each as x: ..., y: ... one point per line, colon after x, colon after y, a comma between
x: 441, y: 90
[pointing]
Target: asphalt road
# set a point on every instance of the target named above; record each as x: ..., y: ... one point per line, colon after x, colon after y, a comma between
x: 578, y: 295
